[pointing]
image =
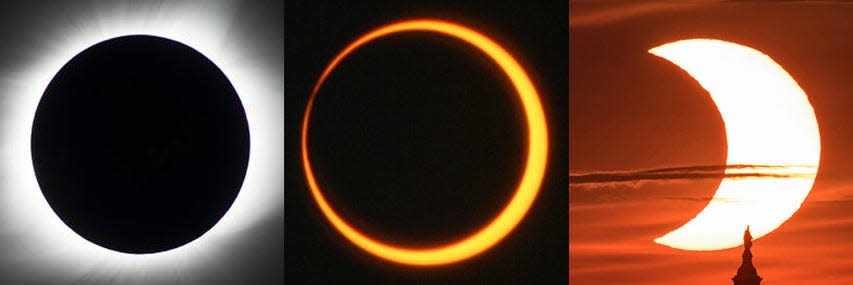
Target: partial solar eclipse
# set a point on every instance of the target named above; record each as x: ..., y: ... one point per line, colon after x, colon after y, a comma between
x: 140, y: 144
x: 769, y: 121
x: 527, y: 188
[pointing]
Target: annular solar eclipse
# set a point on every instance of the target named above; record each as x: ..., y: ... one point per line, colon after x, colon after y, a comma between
x: 140, y: 144
x: 527, y: 188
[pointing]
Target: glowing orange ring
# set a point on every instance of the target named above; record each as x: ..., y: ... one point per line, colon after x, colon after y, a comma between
x: 524, y: 195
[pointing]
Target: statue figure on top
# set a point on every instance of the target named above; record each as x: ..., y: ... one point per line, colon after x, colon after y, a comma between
x: 746, y: 274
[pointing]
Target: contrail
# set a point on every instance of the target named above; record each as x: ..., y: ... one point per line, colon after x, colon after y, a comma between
x: 591, y: 13
x: 737, y: 171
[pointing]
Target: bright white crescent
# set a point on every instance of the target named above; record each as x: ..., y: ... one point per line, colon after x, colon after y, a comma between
x: 768, y: 121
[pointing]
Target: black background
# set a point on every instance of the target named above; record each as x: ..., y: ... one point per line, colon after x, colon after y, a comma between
x: 418, y: 139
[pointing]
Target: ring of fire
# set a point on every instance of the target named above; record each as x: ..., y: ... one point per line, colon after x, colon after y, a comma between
x: 524, y: 195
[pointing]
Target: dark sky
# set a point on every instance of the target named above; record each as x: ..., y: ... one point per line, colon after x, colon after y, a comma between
x: 631, y: 111
x: 419, y: 140
x: 246, y: 37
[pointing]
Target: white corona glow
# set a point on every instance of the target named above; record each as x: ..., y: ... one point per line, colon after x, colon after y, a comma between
x: 42, y: 240
x: 768, y: 121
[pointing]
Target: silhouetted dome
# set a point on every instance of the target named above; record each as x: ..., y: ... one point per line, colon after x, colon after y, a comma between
x: 746, y: 274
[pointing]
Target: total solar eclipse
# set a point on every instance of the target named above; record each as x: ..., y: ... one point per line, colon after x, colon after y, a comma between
x: 140, y: 144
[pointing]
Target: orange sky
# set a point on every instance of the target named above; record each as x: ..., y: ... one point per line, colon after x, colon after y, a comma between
x: 630, y: 110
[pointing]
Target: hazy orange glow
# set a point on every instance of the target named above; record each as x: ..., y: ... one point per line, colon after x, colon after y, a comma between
x: 527, y: 189
x: 768, y: 121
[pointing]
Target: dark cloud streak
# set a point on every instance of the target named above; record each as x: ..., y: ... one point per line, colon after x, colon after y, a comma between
x: 607, y: 178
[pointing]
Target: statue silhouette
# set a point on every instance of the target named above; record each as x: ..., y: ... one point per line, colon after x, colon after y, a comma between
x: 746, y: 274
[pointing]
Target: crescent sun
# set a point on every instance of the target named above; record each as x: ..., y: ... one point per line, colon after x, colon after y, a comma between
x: 527, y: 188
x: 768, y: 121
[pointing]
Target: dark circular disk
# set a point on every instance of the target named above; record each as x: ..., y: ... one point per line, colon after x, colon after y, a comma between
x: 140, y: 144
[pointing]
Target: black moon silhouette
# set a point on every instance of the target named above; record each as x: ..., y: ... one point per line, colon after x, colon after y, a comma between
x: 140, y: 144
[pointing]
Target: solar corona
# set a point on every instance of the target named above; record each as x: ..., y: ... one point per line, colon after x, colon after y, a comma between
x: 59, y: 234
x: 527, y: 188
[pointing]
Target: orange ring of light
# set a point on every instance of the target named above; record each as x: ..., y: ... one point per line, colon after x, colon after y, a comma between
x: 524, y: 195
